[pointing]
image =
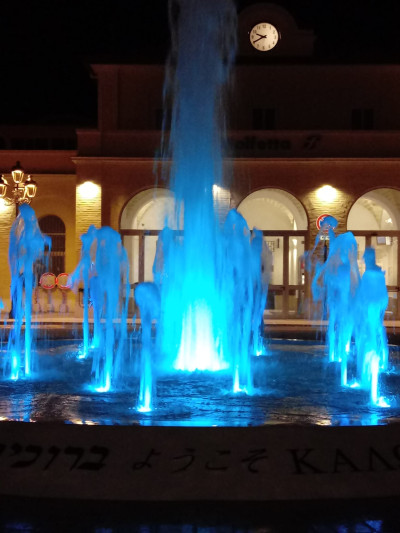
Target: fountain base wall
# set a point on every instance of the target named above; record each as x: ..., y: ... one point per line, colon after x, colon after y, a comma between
x: 266, y: 463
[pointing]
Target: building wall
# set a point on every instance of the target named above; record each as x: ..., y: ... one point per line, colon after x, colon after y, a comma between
x: 313, y: 145
x: 304, y: 96
x: 55, y: 175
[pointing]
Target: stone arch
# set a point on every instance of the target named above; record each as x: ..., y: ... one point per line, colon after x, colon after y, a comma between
x: 151, y: 209
x: 378, y: 209
x: 142, y: 218
x: 273, y: 209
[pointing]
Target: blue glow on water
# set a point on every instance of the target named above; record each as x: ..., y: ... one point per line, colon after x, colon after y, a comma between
x: 105, y: 388
x: 208, y: 295
x: 383, y: 402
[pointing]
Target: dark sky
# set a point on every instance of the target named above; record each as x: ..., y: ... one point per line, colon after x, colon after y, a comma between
x: 47, y: 45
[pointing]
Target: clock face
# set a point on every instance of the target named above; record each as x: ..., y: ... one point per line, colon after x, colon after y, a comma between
x: 264, y: 36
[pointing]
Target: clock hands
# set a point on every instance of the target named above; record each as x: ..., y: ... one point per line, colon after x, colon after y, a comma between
x: 260, y: 37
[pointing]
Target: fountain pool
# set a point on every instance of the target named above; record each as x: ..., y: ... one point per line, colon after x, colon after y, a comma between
x: 300, y: 436
x: 213, y: 422
x: 283, y: 393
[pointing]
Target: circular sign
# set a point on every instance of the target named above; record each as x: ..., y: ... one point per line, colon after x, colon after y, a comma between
x: 48, y: 280
x: 63, y: 281
x: 321, y: 219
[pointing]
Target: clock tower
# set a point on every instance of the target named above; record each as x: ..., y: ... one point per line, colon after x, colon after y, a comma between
x: 268, y: 30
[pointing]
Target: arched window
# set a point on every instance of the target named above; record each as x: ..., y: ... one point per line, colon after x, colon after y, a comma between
x: 142, y: 219
x: 54, y: 227
x: 283, y: 220
x: 375, y: 221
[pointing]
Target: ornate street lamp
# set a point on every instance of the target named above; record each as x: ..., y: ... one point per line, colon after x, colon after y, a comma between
x: 23, y: 190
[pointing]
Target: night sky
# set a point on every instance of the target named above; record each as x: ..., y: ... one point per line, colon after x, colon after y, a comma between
x: 47, y: 46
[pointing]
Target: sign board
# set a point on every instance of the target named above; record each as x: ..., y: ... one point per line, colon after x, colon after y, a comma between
x: 63, y: 281
x: 48, y: 280
x: 321, y: 219
x: 264, y: 463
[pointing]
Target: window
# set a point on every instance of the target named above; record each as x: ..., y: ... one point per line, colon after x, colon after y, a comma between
x: 54, y: 227
x: 362, y: 119
x: 263, y: 119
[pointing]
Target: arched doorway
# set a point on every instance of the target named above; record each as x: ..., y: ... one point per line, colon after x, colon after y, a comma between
x: 142, y: 219
x: 284, y: 223
x: 375, y: 221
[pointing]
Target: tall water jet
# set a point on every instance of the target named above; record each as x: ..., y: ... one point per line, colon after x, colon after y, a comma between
x: 372, y: 346
x: 104, y: 271
x: 261, y: 261
x: 195, y: 312
x: 147, y: 298
x: 27, y: 246
x: 82, y: 273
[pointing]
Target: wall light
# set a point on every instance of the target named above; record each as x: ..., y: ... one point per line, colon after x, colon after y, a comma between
x: 88, y: 190
x: 326, y: 193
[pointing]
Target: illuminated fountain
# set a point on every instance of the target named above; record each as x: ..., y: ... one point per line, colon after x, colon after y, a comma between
x: 210, y: 287
x: 27, y: 246
x: 356, y: 336
x: 206, y: 306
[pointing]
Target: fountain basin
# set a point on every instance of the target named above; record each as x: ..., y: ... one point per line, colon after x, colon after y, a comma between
x: 299, y: 437
x: 265, y: 463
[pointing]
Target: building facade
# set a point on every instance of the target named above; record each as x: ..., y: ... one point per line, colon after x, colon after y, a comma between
x: 305, y: 139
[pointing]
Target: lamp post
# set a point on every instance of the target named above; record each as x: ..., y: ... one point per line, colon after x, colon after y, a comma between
x: 21, y: 191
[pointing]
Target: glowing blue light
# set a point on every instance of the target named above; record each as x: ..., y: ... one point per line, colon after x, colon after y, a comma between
x: 382, y: 402
x: 81, y: 354
x: 106, y: 388
x: 143, y: 409
x: 356, y: 310
x: 26, y: 250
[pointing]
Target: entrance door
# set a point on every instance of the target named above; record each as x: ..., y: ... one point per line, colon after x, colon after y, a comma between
x: 287, y: 288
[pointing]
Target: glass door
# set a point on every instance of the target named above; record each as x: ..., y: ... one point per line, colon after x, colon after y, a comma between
x: 287, y: 288
x: 385, y: 244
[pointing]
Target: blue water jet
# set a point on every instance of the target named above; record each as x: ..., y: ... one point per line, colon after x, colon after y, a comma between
x: 372, y: 346
x: 207, y: 293
x: 104, y: 271
x: 27, y: 245
x: 82, y: 273
x: 147, y: 298
x: 356, y: 336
